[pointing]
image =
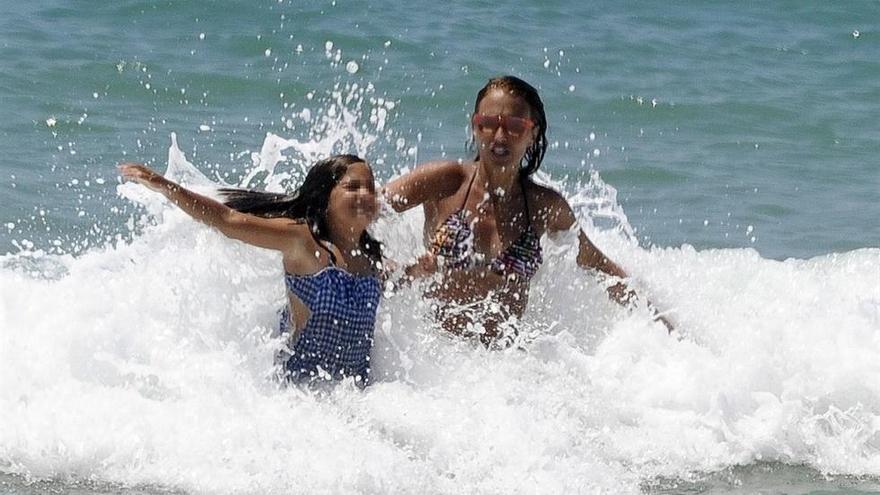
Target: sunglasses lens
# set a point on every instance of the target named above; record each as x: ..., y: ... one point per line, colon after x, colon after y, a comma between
x: 515, y: 125
x: 486, y: 122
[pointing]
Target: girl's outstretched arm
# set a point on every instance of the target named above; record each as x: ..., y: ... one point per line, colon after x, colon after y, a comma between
x: 271, y: 233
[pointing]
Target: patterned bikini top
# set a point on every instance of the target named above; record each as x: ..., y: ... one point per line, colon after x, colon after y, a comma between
x: 453, y: 240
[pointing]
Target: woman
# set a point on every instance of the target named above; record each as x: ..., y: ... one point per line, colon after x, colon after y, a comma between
x: 331, y: 263
x: 484, y: 218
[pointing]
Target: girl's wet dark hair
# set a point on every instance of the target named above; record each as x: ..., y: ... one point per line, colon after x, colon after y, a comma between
x: 308, y: 203
x: 517, y: 87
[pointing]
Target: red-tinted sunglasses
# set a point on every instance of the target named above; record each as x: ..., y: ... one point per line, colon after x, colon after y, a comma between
x: 515, y: 126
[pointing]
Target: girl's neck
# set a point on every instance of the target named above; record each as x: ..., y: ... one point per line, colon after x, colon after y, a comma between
x: 344, y: 240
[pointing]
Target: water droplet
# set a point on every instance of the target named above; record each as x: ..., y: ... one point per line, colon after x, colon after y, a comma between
x: 351, y: 67
x: 856, y: 34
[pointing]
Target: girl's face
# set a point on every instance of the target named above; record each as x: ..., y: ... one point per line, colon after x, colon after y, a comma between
x: 352, y: 203
x: 503, y: 128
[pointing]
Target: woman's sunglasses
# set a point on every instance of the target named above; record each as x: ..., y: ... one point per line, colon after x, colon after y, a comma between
x: 514, y: 126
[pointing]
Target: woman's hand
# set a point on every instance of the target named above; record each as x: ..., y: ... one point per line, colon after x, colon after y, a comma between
x: 144, y: 175
x: 424, y: 267
x: 665, y: 322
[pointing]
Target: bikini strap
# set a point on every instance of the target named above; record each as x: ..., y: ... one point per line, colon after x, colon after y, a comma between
x: 329, y: 251
x: 525, y: 194
x: 470, y: 186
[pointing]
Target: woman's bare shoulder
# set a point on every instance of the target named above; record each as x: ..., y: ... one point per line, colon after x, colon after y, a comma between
x: 544, y: 196
x: 550, y: 208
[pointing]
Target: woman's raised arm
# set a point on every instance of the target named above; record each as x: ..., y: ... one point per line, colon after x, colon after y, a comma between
x: 431, y: 181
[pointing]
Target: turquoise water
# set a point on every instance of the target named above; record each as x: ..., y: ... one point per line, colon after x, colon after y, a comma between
x: 707, y: 119
x: 724, y: 154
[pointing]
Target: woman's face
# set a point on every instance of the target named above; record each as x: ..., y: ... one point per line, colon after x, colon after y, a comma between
x: 503, y: 128
x: 352, y: 203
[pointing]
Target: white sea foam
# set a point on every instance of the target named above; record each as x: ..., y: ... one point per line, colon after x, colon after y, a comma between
x: 151, y: 362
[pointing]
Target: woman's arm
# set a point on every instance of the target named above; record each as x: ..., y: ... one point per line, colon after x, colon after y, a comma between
x: 270, y: 233
x: 589, y: 256
x: 560, y: 218
x: 431, y: 181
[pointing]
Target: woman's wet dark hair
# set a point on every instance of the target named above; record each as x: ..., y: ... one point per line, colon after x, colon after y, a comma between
x: 308, y: 203
x: 517, y: 87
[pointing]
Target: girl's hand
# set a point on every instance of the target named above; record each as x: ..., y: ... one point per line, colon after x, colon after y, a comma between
x: 143, y: 175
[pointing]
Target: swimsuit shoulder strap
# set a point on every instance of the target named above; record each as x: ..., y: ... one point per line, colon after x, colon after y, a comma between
x: 470, y: 186
x: 522, y: 185
x: 323, y: 246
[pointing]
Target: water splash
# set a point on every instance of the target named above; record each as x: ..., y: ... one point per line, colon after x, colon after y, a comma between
x: 596, y: 206
x: 150, y: 363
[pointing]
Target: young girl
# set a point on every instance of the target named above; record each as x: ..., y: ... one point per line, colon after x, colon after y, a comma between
x: 331, y: 263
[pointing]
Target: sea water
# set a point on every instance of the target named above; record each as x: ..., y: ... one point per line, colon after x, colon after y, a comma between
x: 724, y: 155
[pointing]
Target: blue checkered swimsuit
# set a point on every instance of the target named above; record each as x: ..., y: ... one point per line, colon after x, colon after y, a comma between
x: 337, y: 338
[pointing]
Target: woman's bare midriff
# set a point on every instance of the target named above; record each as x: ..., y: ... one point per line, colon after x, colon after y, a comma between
x: 479, y: 302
